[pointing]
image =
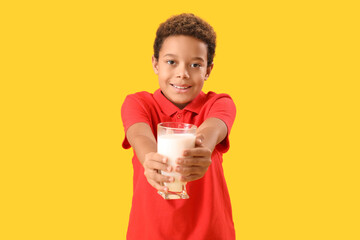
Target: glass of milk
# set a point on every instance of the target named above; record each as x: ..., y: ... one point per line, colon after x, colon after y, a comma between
x: 172, y: 139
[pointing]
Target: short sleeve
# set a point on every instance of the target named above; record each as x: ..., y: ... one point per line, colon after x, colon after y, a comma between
x: 133, y: 111
x: 223, y: 108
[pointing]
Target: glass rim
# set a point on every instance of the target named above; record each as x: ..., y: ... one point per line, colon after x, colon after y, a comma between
x: 188, y: 125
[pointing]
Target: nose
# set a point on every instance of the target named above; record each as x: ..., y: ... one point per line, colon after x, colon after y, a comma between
x: 182, y: 72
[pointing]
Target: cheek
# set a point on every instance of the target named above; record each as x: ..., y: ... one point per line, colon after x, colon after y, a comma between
x: 163, y: 80
x: 201, y: 84
x: 164, y: 73
x: 200, y: 78
x: 200, y: 75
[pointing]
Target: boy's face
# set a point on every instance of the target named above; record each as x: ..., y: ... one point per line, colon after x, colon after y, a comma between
x: 182, y: 68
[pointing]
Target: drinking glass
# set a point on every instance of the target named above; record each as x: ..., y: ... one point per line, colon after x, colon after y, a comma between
x: 172, y: 139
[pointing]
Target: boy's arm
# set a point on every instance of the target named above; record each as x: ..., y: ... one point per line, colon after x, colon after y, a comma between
x: 213, y: 131
x: 195, y: 162
x: 142, y: 140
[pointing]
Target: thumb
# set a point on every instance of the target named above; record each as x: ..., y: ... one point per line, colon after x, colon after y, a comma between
x: 199, y: 140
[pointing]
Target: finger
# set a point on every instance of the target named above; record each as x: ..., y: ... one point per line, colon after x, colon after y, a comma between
x: 197, y: 152
x: 158, y: 177
x: 194, y: 161
x: 199, y: 140
x: 157, y: 165
x: 156, y: 157
x: 187, y: 171
x: 158, y: 186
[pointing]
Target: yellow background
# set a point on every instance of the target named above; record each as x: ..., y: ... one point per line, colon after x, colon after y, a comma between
x: 292, y: 68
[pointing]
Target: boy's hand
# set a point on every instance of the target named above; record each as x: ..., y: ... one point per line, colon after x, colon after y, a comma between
x: 153, y: 163
x: 195, y: 162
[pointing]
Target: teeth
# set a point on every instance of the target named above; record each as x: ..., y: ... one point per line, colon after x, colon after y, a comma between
x: 180, y: 87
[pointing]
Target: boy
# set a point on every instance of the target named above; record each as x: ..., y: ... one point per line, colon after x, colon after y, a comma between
x: 183, y: 59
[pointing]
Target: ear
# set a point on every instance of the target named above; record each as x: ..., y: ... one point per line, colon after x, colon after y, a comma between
x: 208, y: 71
x: 155, y: 64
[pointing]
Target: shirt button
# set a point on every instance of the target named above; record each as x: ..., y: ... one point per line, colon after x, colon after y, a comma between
x: 179, y: 116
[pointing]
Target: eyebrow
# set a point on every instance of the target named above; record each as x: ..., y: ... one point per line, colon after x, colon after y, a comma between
x: 173, y: 55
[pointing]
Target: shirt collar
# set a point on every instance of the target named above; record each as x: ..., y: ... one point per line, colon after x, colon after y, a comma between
x: 169, y: 108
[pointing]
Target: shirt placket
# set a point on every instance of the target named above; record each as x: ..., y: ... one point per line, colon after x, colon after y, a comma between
x: 179, y: 116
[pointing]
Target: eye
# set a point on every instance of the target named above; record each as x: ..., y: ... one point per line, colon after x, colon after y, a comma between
x: 171, y: 62
x: 195, y: 65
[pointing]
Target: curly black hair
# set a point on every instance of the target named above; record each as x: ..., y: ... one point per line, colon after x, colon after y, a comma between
x: 189, y: 25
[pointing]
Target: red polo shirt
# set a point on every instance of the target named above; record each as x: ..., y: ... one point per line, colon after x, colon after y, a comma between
x: 207, y: 214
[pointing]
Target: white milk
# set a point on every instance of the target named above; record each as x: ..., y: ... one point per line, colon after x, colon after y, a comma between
x: 173, y: 146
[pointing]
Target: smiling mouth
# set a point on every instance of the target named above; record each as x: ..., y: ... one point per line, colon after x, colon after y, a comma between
x: 179, y: 87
